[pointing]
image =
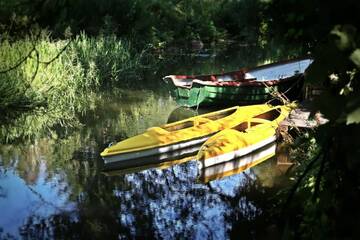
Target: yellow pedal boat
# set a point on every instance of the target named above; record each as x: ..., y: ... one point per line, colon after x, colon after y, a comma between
x: 247, y: 136
x: 156, y: 144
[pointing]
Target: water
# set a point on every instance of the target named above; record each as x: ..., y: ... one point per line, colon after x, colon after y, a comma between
x: 52, y: 184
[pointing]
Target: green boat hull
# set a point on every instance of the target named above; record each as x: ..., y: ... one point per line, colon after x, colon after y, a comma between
x: 208, y: 95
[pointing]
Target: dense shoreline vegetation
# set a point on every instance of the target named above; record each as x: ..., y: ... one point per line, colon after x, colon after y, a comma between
x: 84, y: 46
x: 75, y: 66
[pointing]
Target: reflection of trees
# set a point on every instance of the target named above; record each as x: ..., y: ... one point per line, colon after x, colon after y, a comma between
x: 72, y: 160
x: 3, y: 193
x: 278, y: 176
x: 162, y: 203
x: 181, y: 208
x: 25, y: 159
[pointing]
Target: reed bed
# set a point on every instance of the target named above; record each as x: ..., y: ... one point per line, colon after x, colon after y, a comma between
x: 57, y: 73
x: 60, y: 78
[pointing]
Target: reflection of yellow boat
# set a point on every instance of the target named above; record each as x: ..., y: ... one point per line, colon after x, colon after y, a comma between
x: 157, y: 143
x: 236, y: 165
x: 244, y: 138
x: 113, y: 171
x: 153, y: 161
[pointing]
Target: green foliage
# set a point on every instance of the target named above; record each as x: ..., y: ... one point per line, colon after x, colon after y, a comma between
x: 60, y: 77
x: 153, y: 21
x: 107, y: 60
x: 293, y: 21
x: 160, y: 21
x: 243, y: 19
x: 335, y: 69
x: 309, y: 22
x: 330, y: 182
x: 156, y: 22
x: 353, y: 117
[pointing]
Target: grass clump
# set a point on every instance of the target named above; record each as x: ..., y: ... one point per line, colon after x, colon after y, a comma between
x: 59, y: 78
x: 87, y: 64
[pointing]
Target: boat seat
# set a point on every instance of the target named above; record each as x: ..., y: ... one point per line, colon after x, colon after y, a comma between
x: 200, y: 120
x: 246, y: 125
x: 157, y: 130
x: 259, y: 120
x: 198, y: 81
x: 183, y: 82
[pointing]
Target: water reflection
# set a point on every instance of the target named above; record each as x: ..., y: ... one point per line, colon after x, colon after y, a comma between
x: 52, y: 184
x: 57, y: 189
x: 175, y: 205
x: 62, y: 170
x: 23, y: 197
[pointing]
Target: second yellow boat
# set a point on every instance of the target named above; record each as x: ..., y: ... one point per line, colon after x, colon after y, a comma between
x: 157, y: 144
x: 247, y: 136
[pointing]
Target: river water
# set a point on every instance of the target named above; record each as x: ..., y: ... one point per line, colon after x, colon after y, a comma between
x: 52, y: 184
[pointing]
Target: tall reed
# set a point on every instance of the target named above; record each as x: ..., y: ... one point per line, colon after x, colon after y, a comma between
x: 87, y: 64
x: 62, y: 85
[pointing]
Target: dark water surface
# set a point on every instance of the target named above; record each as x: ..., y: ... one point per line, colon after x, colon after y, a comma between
x: 52, y: 184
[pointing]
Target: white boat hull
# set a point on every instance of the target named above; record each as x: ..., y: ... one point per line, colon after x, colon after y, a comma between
x: 156, y: 155
x: 234, y: 154
x: 237, y: 165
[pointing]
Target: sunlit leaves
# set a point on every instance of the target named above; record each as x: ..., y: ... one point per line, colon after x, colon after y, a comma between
x: 353, y: 117
x: 310, y: 183
x: 355, y: 57
x: 333, y: 70
x: 345, y: 36
x: 347, y: 89
x: 334, y: 78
